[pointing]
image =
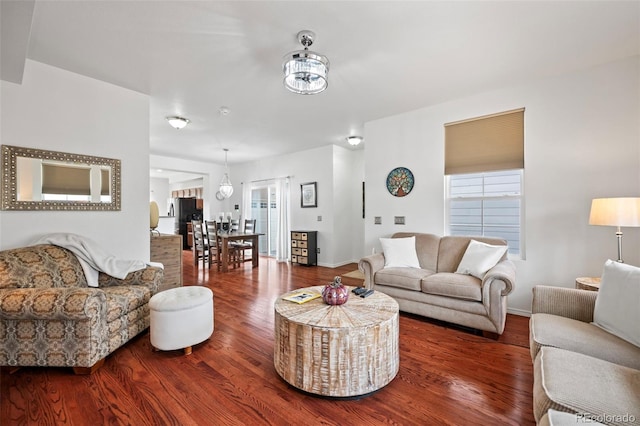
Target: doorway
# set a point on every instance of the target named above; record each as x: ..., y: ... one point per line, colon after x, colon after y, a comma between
x: 264, y: 209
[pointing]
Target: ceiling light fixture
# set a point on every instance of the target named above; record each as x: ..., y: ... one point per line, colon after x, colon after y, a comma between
x: 178, y: 122
x: 354, y: 140
x: 226, y: 189
x: 305, y: 72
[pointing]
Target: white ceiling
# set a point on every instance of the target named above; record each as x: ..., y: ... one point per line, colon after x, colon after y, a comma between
x: 387, y: 57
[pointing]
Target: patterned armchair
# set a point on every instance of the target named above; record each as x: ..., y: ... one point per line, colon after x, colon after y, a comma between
x: 50, y: 317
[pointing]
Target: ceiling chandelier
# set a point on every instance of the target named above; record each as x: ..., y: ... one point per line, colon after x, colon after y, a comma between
x: 226, y: 189
x: 305, y: 72
x: 178, y: 122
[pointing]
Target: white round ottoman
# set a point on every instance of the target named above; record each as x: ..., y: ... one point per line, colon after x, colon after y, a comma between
x: 181, y: 317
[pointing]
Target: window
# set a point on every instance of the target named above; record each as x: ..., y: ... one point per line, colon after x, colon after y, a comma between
x: 484, y: 163
x: 487, y: 204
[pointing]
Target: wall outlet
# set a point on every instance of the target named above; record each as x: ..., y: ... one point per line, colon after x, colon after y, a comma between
x: 398, y: 220
x: 319, y: 218
x: 318, y: 250
x: 377, y: 220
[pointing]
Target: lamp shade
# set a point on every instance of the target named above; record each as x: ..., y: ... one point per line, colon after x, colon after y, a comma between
x: 623, y: 211
x: 154, y: 215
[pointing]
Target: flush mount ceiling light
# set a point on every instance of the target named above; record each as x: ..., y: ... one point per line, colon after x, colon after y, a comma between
x: 178, y: 122
x: 226, y: 189
x: 354, y: 140
x: 305, y: 72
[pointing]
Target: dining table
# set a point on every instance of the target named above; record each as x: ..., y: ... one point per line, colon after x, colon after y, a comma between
x: 227, y: 237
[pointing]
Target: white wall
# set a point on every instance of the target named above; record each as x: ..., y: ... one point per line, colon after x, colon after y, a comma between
x: 58, y: 110
x: 338, y: 173
x: 160, y: 192
x: 582, y: 141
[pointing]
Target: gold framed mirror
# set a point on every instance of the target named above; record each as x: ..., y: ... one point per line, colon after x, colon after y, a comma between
x: 36, y: 179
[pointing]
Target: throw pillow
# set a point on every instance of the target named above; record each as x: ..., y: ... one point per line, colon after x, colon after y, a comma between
x: 400, y: 252
x: 479, y: 258
x: 617, y: 305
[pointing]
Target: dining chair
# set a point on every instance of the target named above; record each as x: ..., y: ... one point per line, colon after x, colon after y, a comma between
x: 243, y: 246
x: 216, y: 250
x: 211, y: 235
x: 199, y: 247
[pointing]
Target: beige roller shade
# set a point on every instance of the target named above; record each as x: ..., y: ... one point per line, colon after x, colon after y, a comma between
x: 484, y: 144
x: 58, y: 179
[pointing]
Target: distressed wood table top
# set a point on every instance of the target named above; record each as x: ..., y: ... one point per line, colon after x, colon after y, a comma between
x: 339, y: 351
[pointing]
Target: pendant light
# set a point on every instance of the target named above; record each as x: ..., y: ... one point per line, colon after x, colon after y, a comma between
x: 226, y: 188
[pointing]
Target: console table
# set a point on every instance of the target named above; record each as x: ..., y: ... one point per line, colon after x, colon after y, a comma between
x: 167, y: 249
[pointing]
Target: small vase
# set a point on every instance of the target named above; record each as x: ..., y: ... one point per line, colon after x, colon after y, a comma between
x: 335, y: 293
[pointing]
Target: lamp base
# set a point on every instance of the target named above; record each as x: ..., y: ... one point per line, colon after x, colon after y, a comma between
x: 619, y: 236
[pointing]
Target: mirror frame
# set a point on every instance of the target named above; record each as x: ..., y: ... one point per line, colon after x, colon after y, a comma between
x: 9, y: 193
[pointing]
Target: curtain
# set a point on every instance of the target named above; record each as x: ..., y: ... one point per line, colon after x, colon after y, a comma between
x: 245, y: 207
x: 284, y: 213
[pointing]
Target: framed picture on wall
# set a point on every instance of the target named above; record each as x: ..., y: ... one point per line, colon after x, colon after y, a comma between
x: 308, y: 195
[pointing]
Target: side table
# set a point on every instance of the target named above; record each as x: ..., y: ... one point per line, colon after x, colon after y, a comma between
x: 588, y: 283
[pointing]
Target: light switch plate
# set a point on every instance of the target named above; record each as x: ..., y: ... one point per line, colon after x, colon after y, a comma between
x: 398, y: 220
x: 377, y: 220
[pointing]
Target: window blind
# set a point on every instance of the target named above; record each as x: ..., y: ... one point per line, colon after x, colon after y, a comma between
x: 483, y: 144
x: 104, y: 182
x: 57, y: 179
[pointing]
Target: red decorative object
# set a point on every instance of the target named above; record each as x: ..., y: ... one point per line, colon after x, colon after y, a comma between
x: 335, y: 293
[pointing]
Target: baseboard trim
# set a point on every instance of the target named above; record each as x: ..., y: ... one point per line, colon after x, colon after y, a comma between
x: 520, y: 312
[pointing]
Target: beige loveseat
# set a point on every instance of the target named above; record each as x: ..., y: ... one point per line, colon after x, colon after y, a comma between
x: 579, y: 368
x: 434, y: 290
x: 50, y: 317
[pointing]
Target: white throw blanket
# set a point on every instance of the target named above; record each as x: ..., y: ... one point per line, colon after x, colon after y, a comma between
x: 93, y: 258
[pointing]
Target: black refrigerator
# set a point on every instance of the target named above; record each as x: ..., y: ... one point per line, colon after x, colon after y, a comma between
x: 185, y: 211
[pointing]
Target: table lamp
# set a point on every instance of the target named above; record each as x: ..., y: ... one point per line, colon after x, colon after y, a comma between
x: 615, y: 212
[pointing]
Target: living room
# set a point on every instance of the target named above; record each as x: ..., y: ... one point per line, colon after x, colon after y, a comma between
x: 581, y: 142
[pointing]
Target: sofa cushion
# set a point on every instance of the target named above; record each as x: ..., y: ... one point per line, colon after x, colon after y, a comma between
x: 426, y: 248
x: 452, y: 249
x: 407, y: 278
x: 562, y: 418
x: 617, y: 307
x: 577, y: 383
x: 124, y: 299
x: 400, y: 252
x: 453, y: 285
x: 479, y: 258
x: 583, y: 337
x: 40, y: 266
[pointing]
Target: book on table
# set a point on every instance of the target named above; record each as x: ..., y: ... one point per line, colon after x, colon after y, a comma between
x: 301, y: 296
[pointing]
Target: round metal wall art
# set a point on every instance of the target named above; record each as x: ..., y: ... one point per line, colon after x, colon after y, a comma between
x: 400, y: 181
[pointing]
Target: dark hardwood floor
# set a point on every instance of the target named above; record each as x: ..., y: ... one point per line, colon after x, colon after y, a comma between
x: 447, y: 376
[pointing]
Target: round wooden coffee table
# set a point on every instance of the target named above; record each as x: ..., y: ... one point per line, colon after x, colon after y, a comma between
x: 337, y: 351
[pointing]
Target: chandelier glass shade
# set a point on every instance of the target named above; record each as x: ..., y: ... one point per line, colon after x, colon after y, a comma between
x: 226, y: 188
x: 305, y: 72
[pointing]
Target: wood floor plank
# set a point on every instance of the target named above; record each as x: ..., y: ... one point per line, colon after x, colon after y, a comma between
x: 448, y: 375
